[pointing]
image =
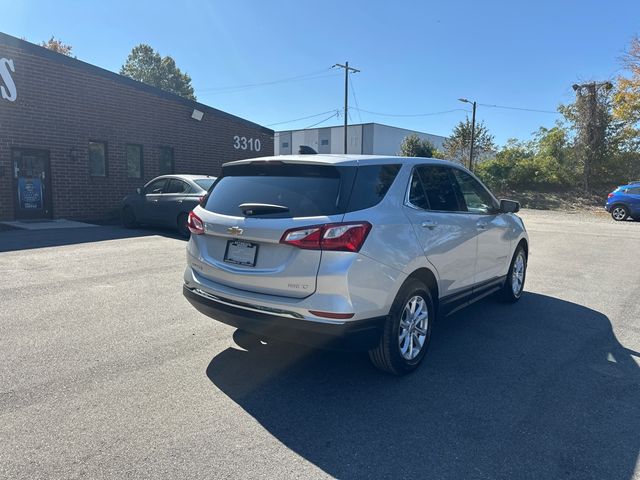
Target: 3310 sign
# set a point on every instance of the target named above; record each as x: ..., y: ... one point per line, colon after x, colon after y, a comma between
x: 244, y: 143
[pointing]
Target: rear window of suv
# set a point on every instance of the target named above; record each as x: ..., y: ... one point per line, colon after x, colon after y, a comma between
x: 305, y: 190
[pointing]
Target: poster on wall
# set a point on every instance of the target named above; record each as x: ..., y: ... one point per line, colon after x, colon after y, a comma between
x: 30, y: 193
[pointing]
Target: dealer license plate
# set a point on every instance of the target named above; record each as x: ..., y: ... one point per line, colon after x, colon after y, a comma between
x: 241, y: 253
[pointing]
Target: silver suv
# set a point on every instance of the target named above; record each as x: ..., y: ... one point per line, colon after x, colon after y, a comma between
x: 351, y: 251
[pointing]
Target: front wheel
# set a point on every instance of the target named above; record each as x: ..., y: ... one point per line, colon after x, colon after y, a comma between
x: 407, y: 330
x: 129, y: 218
x: 514, y: 284
x: 619, y: 213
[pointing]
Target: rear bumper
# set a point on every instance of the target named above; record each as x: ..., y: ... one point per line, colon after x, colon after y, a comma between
x: 349, y: 335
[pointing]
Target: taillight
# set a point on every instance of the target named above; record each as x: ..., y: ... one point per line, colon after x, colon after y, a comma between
x: 347, y: 237
x: 610, y: 195
x: 195, y: 224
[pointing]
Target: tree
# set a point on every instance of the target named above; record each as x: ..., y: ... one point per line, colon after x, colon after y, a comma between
x: 413, y: 146
x: 56, y: 45
x: 626, y: 98
x: 456, y: 147
x: 591, y: 118
x: 146, y: 65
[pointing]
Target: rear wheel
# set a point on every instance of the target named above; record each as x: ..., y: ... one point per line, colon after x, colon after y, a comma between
x: 407, y: 331
x: 129, y: 218
x: 183, y: 227
x: 619, y: 213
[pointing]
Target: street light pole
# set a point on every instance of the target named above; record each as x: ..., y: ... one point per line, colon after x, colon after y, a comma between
x: 347, y: 68
x: 473, y: 130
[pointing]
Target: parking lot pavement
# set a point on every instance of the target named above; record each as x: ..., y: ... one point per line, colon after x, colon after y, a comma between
x: 107, y: 372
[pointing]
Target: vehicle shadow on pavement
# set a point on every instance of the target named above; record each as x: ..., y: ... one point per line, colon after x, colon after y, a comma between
x: 15, y: 240
x: 540, y: 389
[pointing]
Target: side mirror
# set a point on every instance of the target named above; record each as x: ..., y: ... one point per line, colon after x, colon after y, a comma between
x: 509, y: 206
x: 139, y: 190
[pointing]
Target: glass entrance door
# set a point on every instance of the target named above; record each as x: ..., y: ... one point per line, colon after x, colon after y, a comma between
x: 32, y: 183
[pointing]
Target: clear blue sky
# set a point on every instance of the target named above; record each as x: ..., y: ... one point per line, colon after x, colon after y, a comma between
x: 415, y: 56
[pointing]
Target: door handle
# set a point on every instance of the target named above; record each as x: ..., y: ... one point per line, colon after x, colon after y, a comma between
x: 179, y: 201
x: 482, y: 226
x: 429, y: 224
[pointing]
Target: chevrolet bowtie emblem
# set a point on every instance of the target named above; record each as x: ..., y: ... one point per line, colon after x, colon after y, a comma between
x: 235, y: 230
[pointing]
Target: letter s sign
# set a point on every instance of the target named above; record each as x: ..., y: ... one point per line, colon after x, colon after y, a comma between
x: 6, y: 68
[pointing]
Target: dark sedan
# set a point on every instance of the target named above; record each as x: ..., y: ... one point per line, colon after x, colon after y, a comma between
x: 165, y: 201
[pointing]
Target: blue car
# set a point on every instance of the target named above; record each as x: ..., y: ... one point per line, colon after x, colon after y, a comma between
x: 624, y: 202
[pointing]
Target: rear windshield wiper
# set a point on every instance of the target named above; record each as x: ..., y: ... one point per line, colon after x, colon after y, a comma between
x: 258, y: 208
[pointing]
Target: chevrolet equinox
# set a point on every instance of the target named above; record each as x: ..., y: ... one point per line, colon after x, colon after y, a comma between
x: 351, y: 251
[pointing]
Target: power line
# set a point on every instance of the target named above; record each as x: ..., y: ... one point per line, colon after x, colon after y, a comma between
x: 257, y: 84
x: 302, y: 118
x: 355, y: 99
x: 335, y: 114
x: 411, y: 114
x: 297, y: 78
x: 520, y: 108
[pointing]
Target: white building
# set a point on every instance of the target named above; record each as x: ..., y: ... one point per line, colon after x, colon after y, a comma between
x: 365, y: 138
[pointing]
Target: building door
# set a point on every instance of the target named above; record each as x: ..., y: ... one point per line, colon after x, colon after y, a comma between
x: 32, y: 183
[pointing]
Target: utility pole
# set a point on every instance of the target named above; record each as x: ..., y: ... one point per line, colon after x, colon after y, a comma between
x: 473, y: 130
x: 347, y: 68
x: 589, y: 92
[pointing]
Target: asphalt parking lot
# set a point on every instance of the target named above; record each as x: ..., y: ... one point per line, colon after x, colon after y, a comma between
x: 107, y: 372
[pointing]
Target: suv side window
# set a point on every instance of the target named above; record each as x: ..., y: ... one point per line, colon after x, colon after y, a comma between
x: 156, y: 187
x: 417, y: 196
x: 177, y: 186
x: 634, y: 191
x: 439, y: 186
x: 475, y: 197
x: 371, y: 185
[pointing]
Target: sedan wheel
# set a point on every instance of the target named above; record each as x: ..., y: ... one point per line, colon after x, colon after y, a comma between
x: 129, y: 218
x: 620, y: 213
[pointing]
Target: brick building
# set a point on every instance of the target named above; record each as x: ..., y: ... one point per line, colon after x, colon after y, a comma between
x: 75, y: 138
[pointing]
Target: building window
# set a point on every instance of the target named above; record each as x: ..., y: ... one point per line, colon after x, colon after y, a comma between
x: 324, y: 142
x: 166, y: 160
x: 134, y: 161
x: 285, y: 144
x: 97, y: 159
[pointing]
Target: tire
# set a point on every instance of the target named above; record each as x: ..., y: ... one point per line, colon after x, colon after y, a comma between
x: 183, y: 229
x: 514, y: 284
x: 129, y: 218
x: 619, y: 213
x: 393, y: 353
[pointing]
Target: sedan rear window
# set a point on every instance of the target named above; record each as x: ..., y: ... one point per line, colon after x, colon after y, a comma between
x: 205, y: 183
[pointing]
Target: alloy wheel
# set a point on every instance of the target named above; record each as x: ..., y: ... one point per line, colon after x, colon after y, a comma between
x: 619, y: 213
x: 414, y: 324
x: 517, y: 276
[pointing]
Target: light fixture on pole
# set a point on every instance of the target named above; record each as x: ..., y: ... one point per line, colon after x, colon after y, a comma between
x: 473, y: 130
